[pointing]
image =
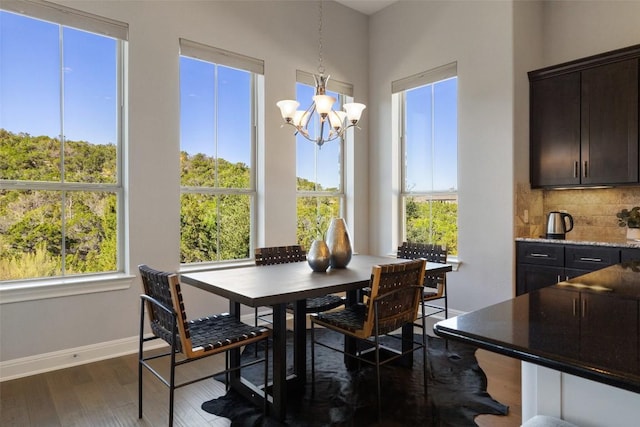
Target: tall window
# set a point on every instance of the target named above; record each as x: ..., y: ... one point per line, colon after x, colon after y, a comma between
x: 319, y: 170
x: 428, y: 114
x: 218, y: 92
x: 61, y: 192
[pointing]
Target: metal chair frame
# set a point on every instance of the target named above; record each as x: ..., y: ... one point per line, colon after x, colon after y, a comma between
x: 389, y: 306
x: 169, y: 324
x: 435, y: 286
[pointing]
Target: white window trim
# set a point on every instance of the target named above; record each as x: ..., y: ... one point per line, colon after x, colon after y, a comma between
x: 63, y: 286
x: 254, y: 66
x: 398, y: 89
x: 29, y: 290
x: 345, y: 93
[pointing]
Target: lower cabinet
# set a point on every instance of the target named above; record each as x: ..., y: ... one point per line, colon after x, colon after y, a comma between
x: 543, y: 264
x: 629, y: 254
x: 592, y: 326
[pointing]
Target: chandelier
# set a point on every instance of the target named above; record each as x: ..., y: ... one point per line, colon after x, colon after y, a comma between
x: 333, y: 124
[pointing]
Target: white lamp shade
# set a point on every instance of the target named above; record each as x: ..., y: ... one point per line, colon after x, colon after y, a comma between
x: 323, y: 103
x: 336, y: 119
x: 299, y: 118
x: 354, y: 111
x: 288, y: 108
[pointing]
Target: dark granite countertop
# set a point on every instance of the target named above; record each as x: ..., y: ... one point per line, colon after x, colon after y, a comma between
x: 612, y: 243
x: 587, y: 326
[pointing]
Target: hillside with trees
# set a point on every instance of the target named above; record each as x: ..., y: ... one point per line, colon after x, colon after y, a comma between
x: 31, y: 228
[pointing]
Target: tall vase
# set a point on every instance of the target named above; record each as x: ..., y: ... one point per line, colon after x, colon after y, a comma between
x: 318, y: 256
x: 339, y: 243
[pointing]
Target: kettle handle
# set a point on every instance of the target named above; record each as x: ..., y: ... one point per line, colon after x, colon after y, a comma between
x: 566, y: 215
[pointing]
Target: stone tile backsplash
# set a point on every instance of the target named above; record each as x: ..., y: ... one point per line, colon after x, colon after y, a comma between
x: 593, y: 210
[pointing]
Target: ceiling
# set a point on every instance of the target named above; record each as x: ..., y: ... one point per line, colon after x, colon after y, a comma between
x: 368, y: 7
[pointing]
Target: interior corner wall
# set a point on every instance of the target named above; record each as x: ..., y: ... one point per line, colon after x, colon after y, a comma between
x: 283, y: 34
x: 478, y: 36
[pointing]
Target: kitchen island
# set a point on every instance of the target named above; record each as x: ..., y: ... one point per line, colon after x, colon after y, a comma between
x: 578, y: 340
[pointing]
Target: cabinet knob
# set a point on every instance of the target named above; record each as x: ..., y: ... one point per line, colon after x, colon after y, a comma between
x: 575, y: 169
x: 584, y: 170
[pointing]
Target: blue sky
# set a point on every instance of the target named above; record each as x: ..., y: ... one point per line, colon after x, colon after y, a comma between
x: 30, y: 96
x: 30, y: 93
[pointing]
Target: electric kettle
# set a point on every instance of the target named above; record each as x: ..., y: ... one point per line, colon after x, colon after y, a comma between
x: 558, y: 225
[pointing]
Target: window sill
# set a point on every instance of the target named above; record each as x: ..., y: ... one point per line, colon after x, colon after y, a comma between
x: 62, y: 287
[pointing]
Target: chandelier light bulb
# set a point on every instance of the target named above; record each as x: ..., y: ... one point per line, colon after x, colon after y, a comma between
x: 288, y: 109
x: 300, y: 118
x: 324, y: 103
x: 354, y: 111
x: 336, y: 119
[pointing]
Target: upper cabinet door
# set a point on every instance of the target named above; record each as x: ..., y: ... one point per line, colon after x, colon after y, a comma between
x: 555, y: 130
x: 609, y: 133
x: 583, y: 123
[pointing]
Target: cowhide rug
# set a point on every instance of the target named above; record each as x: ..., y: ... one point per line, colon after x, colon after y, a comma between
x: 457, y: 391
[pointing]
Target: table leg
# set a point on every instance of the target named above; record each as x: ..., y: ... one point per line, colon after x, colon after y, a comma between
x: 300, y: 342
x: 234, y: 355
x: 350, y: 343
x: 279, y: 389
x: 407, y: 344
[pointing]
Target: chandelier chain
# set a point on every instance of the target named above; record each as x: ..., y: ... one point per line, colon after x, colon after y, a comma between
x: 320, y: 66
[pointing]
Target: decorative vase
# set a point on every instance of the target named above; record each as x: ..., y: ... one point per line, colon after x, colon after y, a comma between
x: 318, y: 256
x: 339, y: 243
x: 633, y: 234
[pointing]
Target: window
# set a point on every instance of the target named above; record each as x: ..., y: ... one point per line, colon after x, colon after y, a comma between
x: 319, y: 170
x: 218, y: 93
x: 61, y: 191
x: 428, y: 126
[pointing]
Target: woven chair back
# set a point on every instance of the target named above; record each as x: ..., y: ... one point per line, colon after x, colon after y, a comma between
x: 396, y: 292
x: 280, y: 255
x: 157, y: 284
x: 431, y: 252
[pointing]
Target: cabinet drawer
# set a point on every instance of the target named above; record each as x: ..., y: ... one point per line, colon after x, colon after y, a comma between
x: 591, y: 258
x: 540, y: 253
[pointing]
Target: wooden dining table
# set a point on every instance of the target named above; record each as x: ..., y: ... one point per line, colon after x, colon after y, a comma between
x: 276, y: 286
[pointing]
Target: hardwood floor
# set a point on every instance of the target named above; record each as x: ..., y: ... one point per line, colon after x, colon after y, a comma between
x: 105, y: 394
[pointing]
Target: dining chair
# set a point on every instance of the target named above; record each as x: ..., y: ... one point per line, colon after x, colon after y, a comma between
x: 293, y: 253
x: 189, y: 340
x: 435, y: 285
x: 394, y: 296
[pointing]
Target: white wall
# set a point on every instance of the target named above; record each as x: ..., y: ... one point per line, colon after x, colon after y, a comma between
x: 284, y: 35
x: 494, y: 43
x: 479, y: 36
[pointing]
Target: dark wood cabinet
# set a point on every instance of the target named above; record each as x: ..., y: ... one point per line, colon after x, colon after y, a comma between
x: 540, y: 265
x: 584, y: 121
x: 586, y: 324
x: 555, y: 131
x: 629, y: 254
x: 609, y: 133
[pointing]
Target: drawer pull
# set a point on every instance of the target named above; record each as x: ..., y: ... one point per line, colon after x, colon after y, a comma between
x: 536, y: 255
x: 590, y: 259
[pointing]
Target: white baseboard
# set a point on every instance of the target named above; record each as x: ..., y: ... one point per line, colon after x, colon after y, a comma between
x: 46, y: 362
x: 31, y: 365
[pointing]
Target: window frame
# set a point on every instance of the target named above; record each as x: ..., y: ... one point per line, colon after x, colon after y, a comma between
x: 17, y: 290
x: 225, y: 58
x: 399, y: 89
x: 345, y: 94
